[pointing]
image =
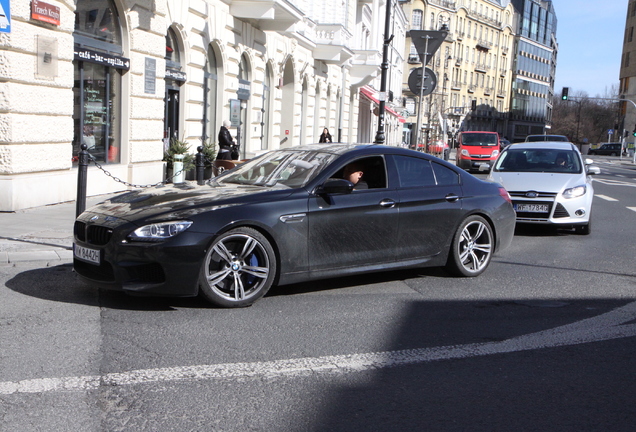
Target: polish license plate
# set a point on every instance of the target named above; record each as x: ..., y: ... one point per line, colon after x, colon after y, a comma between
x: 86, y: 254
x: 532, y: 208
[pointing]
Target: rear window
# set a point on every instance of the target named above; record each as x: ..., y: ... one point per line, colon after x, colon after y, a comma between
x: 479, y: 139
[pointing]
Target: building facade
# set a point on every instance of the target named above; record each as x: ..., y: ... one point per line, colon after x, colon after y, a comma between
x: 124, y: 77
x: 472, y: 67
x: 627, y: 86
x: 534, y: 69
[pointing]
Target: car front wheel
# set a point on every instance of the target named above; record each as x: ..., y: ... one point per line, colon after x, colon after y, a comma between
x: 472, y: 247
x: 239, y: 268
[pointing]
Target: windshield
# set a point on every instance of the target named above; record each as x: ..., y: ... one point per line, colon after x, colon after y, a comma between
x: 479, y: 139
x: 538, y: 138
x: 539, y: 160
x: 282, y: 167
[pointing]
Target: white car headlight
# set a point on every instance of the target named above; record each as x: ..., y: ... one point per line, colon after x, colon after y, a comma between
x: 575, y: 192
x: 495, y: 153
x: 159, y: 231
x: 465, y: 152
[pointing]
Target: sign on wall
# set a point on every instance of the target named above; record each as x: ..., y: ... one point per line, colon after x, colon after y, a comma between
x: 45, y: 12
x: 5, y: 16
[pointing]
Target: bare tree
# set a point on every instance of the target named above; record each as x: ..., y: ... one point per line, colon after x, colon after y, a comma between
x: 584, y: 119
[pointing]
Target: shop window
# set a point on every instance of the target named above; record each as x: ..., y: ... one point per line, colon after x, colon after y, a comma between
x: 98, y: 65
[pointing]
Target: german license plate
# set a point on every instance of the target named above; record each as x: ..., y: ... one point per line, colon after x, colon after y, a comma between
x: 532, y: 208
x: 86, y: 254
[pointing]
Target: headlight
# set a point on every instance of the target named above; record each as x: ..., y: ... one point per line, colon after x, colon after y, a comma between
x: 465, y: 152
x: 574, y: 192
x: 159, y: 231
x: 495, y: 153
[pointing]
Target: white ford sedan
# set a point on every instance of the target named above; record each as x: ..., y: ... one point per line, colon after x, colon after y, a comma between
x: 549, y: 183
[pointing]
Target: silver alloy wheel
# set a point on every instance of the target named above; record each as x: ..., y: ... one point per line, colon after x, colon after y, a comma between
x: 475, y: 246
x: 237, y: 268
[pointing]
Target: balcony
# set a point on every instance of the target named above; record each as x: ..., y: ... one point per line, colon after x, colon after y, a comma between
x: 481, y: 67
x: 332, y: 43
x: 488, y: 91
x: 444, y: 3
x: 274, y: 15
x: 365, y: 65
x: 484, y: 44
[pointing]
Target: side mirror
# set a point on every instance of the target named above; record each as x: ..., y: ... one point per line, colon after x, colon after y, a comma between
x: 335, y: 186
x: 593, y: 170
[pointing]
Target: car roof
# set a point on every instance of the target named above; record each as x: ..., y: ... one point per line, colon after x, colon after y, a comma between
x: 535, y: 145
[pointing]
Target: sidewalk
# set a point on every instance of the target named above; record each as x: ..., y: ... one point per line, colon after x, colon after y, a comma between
x: 40, y: 235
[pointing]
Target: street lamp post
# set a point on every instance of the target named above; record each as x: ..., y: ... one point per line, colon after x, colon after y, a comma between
x: 379, y: 137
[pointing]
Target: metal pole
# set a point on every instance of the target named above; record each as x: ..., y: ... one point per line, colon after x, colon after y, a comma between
x: 80, y: 204
x: 200, y: 166
x: 379, y: 137
x: 419, y: 107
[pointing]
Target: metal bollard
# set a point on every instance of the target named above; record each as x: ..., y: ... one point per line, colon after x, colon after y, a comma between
x: 200, y: 166
x: 178, y: 169
x: 80, y: 203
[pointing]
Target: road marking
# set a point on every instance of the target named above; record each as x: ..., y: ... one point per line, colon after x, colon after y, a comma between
x: 632, y: 208
x: 603, y: 327
x: 614, y: 182
x: 605, y: 197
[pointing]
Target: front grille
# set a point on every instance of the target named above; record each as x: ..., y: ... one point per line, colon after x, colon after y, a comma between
x: 93, y: 234
x: 560, y: 211
x: 522, y: 194
x: 98, y: 235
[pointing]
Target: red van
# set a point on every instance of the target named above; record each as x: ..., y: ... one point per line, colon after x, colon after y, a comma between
x: 477, y: 150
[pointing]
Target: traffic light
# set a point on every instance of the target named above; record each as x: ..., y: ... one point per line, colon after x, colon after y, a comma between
x: 634, y: 133
x: 564, y: 93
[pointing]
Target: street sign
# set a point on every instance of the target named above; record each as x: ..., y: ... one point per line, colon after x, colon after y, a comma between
x: 427, y: 42
x: 415, y: 81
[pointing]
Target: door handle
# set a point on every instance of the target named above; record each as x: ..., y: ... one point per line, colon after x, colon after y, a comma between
x: 387, y: 203
x: 451, y: 197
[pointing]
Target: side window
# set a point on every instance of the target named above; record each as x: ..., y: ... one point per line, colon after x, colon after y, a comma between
x: 414, y: 172
x: 373, y: 171
x: 445, y: 176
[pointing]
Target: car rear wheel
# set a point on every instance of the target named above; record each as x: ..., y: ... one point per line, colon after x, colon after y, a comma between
x: 239, y: 268
x: 472, y: 248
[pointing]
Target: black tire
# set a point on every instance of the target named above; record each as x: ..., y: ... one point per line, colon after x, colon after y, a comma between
x: 472, y: 248
x: 239, y: 268
x: 584, y: 229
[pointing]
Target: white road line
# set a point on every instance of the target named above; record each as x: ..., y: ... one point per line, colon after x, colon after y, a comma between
x: 632, y: 208
x: 600, y: 328
x: 605, y: 197
x: 614, y: 182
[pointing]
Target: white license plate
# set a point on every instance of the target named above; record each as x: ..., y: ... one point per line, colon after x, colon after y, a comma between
x: 86, y: 254
x: 532, y: 208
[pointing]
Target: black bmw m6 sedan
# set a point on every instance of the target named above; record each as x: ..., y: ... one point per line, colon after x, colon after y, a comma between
x: 294, y: 215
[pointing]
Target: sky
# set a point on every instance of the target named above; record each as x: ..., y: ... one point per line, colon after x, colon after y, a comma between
x: 590, y: 37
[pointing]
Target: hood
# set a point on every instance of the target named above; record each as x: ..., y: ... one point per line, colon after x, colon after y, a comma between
x: 540, y: 182
x: 174, y: 202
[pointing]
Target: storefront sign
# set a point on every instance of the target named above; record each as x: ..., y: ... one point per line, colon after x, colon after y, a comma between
x: 5, y: 16
x: 45, y: 12
x: 235, y: 112
x: 150, y: 75
x: 243, y: 92
x: 88, y: 55
x: 175, y: 75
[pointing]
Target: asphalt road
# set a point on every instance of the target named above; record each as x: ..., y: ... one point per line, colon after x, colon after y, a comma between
x: 543, y: 341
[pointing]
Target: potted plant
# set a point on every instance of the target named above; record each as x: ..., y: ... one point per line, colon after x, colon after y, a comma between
x: 177, y: 147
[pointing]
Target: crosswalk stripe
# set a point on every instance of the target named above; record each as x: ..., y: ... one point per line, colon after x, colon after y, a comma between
x: 605, y: 197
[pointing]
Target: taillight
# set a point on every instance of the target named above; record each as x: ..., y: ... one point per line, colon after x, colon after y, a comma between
x: 505, y: 195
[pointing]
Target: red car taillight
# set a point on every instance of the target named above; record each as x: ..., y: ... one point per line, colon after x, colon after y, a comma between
x: 505, y: 195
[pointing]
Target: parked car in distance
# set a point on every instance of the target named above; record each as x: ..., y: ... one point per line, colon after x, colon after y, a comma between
x: 536, y: 138
x: 440, y: 149
x: 477, y: 150
x: 607, y: 149
x: 549, y: 183
x: 289, y: 216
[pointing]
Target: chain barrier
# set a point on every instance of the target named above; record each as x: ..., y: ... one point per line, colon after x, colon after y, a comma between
x: 125, y: 183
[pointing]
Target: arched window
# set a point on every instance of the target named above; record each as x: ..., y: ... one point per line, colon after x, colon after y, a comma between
x: 97, y: 86
x: 265, y: 110
x: 243, y: 95
x: 210, y: 97
x: 174, y: 78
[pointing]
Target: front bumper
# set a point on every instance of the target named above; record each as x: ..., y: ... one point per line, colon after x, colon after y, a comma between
x: 481, y: 165
x: 560, y: 211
